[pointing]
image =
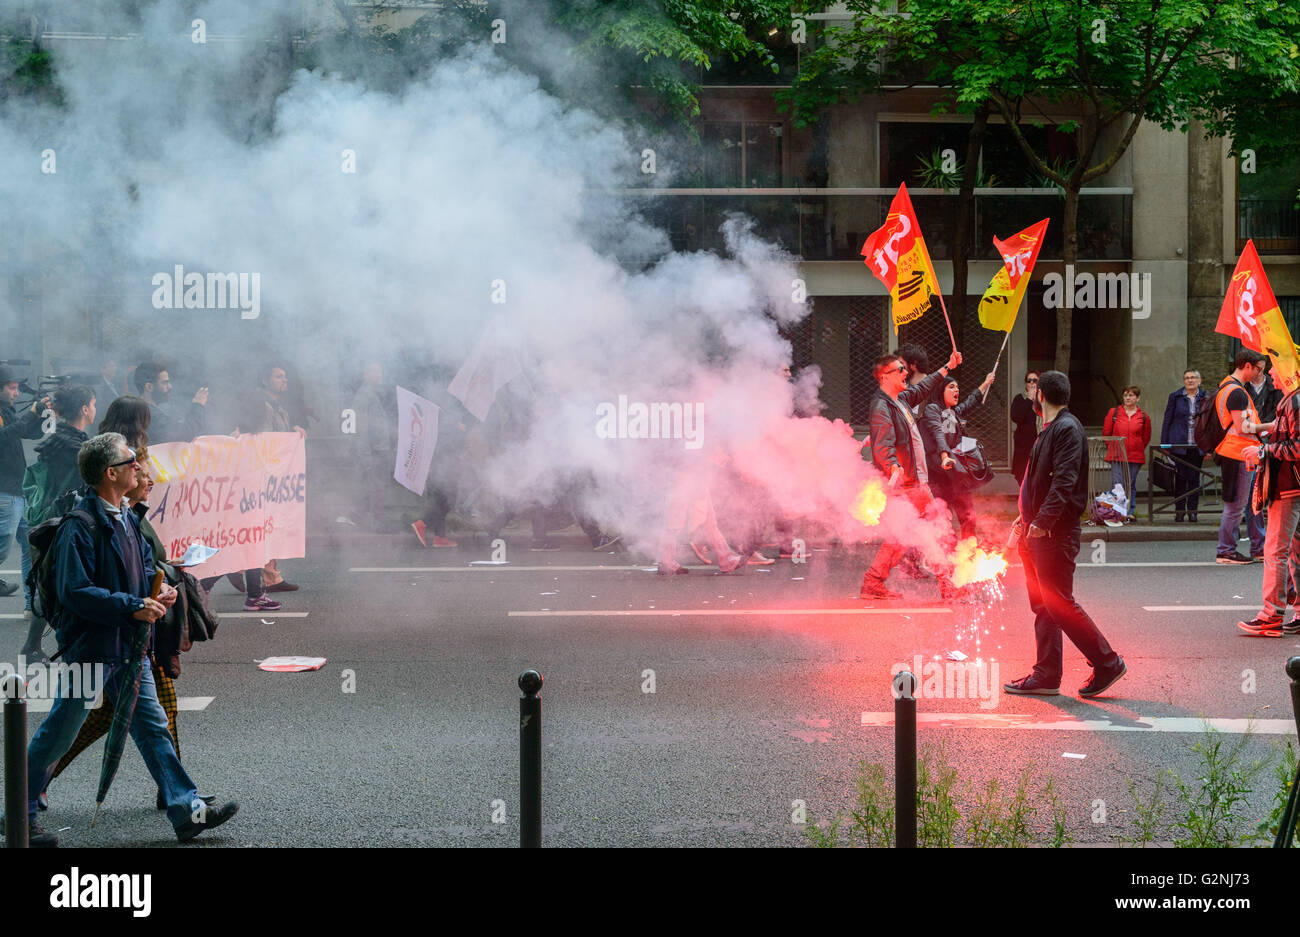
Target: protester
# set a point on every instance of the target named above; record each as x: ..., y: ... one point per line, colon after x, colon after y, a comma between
x: 1178, y: 432
x: 690, y: 513
x: 163, y: 655
x: 944, y: 429
x: 1027, y: 426
x: 54, y: 475
x: 1277, y: 492
x: 267, y: 413
x: 13, y: 465
x: 1127, y: 456
x: 1233, y: 405
x: 107, y: 388
x: 153, y: 382
x: 1265, y: 395
x: 102, y: 595
x: 898, y: 451
x: 376, y: 442
x: 1046, y: 532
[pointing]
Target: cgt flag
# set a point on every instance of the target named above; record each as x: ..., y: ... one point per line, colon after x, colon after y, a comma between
x: 1250, y: 312
x: 417, y: 435
x: 897, y: 256
x: 1001, y: 301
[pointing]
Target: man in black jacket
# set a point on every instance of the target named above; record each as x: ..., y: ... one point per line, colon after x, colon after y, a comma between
x: 75, y: 407
x: 154, y: 384
x: 13, y: 463
x: 898, y: 451
x: 1052, y: 498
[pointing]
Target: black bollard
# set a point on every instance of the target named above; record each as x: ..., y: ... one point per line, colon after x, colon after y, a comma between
x: 1286, y: 829
x: 530, y: 760
x: 905, y: 760
x: 15, y: 719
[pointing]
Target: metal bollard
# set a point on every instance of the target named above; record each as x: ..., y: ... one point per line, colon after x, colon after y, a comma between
x: 1286, y: 830
x: 15, y: 719
x: 530, y: 760
x: 905, y: 760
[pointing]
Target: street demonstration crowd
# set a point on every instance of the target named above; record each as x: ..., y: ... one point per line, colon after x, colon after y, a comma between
x: 94, y: 567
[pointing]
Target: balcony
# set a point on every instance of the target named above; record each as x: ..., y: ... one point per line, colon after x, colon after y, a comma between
x: 1274, y: 224
x: 831, y: 224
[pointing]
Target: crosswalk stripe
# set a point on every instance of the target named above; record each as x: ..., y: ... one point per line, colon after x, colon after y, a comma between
x: 183, y: 704
x: 660, y: 612
x: 1137, y: 724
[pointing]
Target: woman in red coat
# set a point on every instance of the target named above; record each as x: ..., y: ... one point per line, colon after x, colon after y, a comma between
x: 1127, y: 458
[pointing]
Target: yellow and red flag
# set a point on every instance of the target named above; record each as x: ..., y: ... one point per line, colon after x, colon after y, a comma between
x: 897, y: 256
x: 1250, y: 312
x: 1001, y: 301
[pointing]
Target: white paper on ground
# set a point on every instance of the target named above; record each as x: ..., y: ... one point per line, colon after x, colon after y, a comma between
x: 291, y: 664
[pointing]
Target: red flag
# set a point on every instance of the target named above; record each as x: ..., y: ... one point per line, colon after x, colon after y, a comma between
x: 1249, y: 296
x: 898, y: 246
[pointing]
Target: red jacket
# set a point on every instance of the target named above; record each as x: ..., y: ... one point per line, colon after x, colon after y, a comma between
x: 1135, y: 429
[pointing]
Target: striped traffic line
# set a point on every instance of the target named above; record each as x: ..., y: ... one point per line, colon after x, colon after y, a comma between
x: 737, y: 612
x: 1201, y: 608
x: 183, y: 704
x: 497, y: 569
x: 1059, y: 724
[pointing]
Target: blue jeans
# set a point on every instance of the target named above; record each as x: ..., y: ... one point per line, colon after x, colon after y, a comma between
x: 1232, y: 513
x: 148, y: 729
x: 13, y: 523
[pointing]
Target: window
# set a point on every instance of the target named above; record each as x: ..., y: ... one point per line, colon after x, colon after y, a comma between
x: 1267, y: 209
x: 743, y: 154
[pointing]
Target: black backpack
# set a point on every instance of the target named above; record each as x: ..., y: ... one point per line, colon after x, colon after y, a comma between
x: 42, y: 580
x: 1208, y: 431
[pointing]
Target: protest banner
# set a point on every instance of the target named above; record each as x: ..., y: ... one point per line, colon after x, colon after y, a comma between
x: 245, y: 495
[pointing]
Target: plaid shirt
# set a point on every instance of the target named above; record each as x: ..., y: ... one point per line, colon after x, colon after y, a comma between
x: 1283, y: 451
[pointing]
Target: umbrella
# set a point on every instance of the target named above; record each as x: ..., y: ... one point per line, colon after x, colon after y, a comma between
x: 124, y: 706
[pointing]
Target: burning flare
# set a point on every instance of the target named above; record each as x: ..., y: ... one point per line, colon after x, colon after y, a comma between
x: 971, y: 564
x: 870, y: 503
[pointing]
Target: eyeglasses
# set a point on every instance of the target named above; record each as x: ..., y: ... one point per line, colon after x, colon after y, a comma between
x: 901, y: 369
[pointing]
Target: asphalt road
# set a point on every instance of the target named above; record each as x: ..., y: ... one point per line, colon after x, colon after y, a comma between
x: 751, y: 710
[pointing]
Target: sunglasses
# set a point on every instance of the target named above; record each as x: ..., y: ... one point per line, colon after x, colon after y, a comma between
x: 901, y: 369
x: 1031, y: 380
x: 130, y: 461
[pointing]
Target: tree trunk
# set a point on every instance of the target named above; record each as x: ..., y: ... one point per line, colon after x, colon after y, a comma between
x: 965, y: 200
x: 1070, y: 254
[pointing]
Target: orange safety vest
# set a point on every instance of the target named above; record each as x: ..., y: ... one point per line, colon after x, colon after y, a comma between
x: 1233, y: 443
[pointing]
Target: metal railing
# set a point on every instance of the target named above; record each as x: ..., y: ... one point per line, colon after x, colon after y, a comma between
x: 1208, y: 488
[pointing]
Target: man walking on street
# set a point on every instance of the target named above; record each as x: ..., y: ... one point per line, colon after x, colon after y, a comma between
x: 1233, y: 406
x: 103, y: 583
x: 154, y: 384
x: 1052, y: 499
x: 1277, y: 493
x: 898, y: 451
x: 13, y: 463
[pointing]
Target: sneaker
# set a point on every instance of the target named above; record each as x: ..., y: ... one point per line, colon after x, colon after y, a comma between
x: 1030, y: 686
x: 1233, y: 559
x: 1270, y: 627
x: 443, y: 542
x: 419, y: 529
x: 876, y: 589
x: 8, y: 588
x: 42, y: 801
x: 543, y: 547
x: 212, y: 819
x: 758, y: 559
x: 606, y: 542
x: 262, y: 603
x: 1099, y: 683
x: 729, y: 564
x: 702, y: 552
x: 37, y: 838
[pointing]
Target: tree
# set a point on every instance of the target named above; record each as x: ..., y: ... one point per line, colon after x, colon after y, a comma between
x: 1115, y: 63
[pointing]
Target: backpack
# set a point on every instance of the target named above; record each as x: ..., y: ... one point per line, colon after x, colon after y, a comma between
x: 40, y: 496
x: 1208, y: 431
x: 42, y: 579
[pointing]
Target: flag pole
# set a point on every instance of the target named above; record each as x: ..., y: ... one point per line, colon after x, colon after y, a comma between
x: 945, y: 316
x: 998, y: 359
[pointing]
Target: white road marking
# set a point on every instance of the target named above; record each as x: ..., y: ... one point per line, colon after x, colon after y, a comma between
x: 1201, y: 608
x: 494, y: 569
x: 183, y: 704
x: 660, y: 612
x: 263, y: 614
x: 1129, y: 565
x: 1138, y: 724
